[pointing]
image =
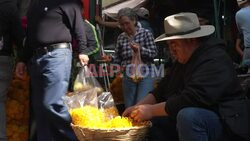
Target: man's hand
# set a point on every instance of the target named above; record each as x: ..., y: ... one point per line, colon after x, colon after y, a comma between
x: 140, y: 112
x: 21, y: 70
x: 128, y: 111
x: 84, y: 59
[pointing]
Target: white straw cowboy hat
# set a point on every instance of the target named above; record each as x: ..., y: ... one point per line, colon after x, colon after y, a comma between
x: 184, y: 26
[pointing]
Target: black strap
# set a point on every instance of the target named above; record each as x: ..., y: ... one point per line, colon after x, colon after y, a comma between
x: 183, y: 33
x: 55, y: 46
x: 45, y: 49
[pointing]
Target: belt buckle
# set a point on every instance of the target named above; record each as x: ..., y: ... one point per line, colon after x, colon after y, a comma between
x: 42, y: 51
x: 46, y: 50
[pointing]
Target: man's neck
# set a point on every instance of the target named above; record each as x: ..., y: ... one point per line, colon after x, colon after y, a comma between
x: 246, y: 4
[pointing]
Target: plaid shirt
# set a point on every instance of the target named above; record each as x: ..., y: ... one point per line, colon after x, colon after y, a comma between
x: 123, y: 51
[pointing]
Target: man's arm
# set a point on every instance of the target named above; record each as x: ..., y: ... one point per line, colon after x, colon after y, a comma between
x: 92, y: 39
x: 147, y: 112
x: 149, y: 99
x: 72, y: 11
x: 238, y: 48
x: 17, y: 32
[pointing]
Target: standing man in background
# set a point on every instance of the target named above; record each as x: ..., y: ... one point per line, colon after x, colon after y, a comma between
x: 51, y: 26
x: 243, y: 24
x: 10, y: 32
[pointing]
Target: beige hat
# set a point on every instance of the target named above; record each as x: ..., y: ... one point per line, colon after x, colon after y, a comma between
x: 142, y: 12
x: 183, y: 26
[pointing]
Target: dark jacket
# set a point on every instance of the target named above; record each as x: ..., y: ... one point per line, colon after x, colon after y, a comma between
x: 92, y: 39
x: 10, y: 27
x: 208, y: 80
x: 55, y: 21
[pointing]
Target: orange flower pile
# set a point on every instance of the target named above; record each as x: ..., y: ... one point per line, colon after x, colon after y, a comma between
x: 116, y: 89
x: 17, y: 110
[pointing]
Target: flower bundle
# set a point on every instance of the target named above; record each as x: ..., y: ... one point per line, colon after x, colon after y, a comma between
x: 17, y: 110
x: 92, y: 117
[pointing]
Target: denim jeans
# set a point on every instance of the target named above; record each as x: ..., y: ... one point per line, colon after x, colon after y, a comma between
x: 163, y: 129
x: 191, y: 124
x: 246, y: 57
x: 49, y: 83
x: 198, y: 124
x: 6, y: 70
x: 134, y: 92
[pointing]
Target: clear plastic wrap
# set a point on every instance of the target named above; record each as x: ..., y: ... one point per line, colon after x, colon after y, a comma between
x: 81, y: 98
x: 88, y: 105
x: 106, y: 103
x: 92, y: 111
x: 85, y: 81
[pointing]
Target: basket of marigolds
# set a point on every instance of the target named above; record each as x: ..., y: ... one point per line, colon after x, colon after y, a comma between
x: 95, y: 118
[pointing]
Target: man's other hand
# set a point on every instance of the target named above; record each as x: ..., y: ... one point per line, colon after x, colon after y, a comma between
x: 21, y: 70
x: 84, y: 59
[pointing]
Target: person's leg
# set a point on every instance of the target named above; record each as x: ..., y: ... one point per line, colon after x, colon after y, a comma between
x: 198, y: 124
x: 43, y: 130
x: 144, y: 87
x: 163, y: 129
x: 32, y: 122
x: 6, y: 68
x: 246, y: 57
x: 129, y: 91
x: 54, y: 69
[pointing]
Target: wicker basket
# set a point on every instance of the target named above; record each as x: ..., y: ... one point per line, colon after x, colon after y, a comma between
x: 124, y: 134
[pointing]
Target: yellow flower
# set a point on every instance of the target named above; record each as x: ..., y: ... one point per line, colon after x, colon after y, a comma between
x: 119, y: 122
x: 92, y: 117
x: 88, y: 116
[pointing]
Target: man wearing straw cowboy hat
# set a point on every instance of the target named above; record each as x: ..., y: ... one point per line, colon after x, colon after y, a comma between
x: 200, y: 94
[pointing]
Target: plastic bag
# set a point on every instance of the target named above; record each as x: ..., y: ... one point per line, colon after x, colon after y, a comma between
x: 85, y: 81
x: 135, y: 68
x: 88, y: 110
x: 88, y: 105
x: 81, y: 99
x: 107, y: 104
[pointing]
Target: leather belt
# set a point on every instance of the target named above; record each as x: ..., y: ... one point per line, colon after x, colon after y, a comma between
x: 45, y: 49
